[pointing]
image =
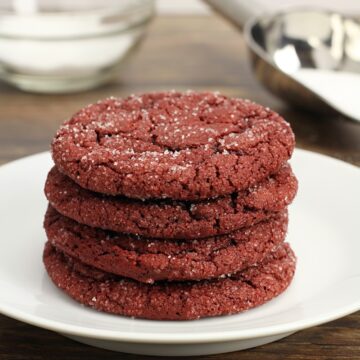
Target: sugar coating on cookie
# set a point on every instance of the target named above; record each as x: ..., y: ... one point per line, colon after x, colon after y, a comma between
x: 172, y: 219
x: 182, y: 146
x: 171, y: 300
x: 148, y: 260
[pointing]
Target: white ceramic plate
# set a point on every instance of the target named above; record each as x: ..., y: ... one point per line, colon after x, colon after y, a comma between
x: 324, y: 232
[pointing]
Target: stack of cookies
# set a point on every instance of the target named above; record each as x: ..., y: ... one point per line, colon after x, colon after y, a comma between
x: 171, y: 206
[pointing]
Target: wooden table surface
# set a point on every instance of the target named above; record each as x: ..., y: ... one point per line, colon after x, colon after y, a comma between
x: 179, y: 53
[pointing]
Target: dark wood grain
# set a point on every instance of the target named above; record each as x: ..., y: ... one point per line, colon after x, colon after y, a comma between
x: 179, y: 53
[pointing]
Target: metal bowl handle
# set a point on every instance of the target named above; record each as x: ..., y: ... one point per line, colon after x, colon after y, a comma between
x: 238, y: 12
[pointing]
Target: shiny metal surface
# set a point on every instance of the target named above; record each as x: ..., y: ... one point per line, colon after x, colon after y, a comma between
x: 302, y: 39
x: 282, y: 44
x: 308, y: 39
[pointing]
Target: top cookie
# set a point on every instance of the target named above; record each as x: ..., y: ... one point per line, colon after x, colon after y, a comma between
x: 183, y: 146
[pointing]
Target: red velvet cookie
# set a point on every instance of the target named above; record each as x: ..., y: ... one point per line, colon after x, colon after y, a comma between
x: 172, y: 219
x: 174, y: 300
x: 182, y: 146
x: 149, y: 260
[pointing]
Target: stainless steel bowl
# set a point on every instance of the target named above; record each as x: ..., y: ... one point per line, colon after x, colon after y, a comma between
x: 284, y: 43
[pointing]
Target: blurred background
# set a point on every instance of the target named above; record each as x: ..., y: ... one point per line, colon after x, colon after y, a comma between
x: 58, y: 55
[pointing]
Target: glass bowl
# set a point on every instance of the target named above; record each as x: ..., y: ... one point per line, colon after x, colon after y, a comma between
x: 56, y: 46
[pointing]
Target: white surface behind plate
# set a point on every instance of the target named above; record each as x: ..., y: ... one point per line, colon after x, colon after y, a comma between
x: 323, y: 231
x: 339, y: 88
x: 197, y: 7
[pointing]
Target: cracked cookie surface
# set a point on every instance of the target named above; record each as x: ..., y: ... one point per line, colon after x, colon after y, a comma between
x: 182, y: 146
x: 148, y: 260
x: 172, y: 300
x: 172, y: 219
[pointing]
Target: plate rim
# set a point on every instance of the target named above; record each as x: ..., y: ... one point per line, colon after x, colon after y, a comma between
x: 165, y: 338
x: 180, y: 337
